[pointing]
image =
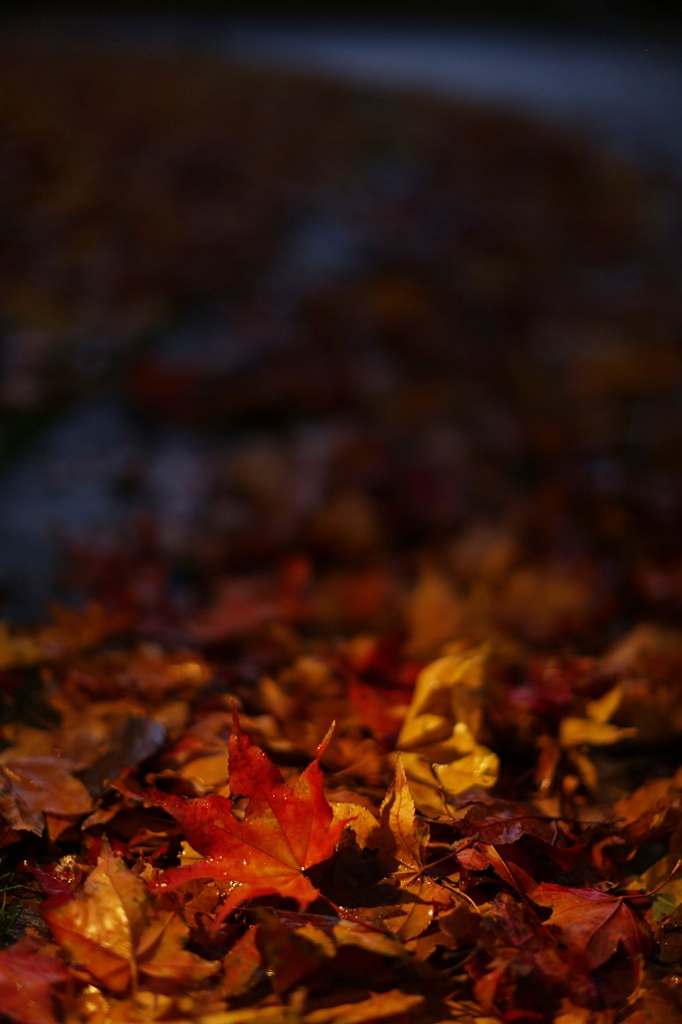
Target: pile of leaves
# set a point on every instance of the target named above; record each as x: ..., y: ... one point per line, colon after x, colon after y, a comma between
x: 279, y: 823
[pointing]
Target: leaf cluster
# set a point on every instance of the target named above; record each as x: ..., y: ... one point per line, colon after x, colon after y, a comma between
x: 450, y: 848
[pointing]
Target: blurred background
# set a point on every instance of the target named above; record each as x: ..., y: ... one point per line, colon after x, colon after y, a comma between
x: 373, y: 321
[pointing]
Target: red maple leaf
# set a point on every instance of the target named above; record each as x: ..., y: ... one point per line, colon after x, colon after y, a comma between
x: 594, y: 923
x: 26, y: 980
x: 284, y: 831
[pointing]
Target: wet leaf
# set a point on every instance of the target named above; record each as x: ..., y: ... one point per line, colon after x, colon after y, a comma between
x: 101, y: 928
x: 113, y: 931
x: 284, y: 830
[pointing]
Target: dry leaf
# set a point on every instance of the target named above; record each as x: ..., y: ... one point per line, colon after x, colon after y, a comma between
x: 101, y: 929
x: 387, y: 1004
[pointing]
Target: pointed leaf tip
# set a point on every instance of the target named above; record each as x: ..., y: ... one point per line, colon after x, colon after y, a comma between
x: 322, y: 746
x: 235, y: 715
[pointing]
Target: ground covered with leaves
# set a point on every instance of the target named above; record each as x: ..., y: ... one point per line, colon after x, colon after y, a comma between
x: 365, y: 704
x: 293, y: 826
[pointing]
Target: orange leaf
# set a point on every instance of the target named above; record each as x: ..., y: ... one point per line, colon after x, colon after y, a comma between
x: 283, y: 832
x: 241, y: 964
x: 160, y: 953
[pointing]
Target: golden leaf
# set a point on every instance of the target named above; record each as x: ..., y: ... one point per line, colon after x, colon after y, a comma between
x: 113, y: 931
x: 480, y: 768
x: 435, y: 613
x: 441, y: 730
x: 100, y: 929
x: 359, y: 818
x: 603, y: 709
x: 401, y: 842
x: 573, y: 732
x: 386, y: 1004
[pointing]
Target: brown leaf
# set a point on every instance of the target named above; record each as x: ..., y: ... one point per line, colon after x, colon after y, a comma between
x: 160, y: 953
x: 435, y: 613
x: 70, y: 632
x: 651, y: 811
x: 147, y: 674
x: 31, y: 787
x: 331, y: 934
x: 593, y: 923
x: 462, y: 926
x: 288, y: 954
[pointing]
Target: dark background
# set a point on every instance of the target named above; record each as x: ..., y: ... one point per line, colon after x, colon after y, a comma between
x: 535, y: 257
x: 606, y: 15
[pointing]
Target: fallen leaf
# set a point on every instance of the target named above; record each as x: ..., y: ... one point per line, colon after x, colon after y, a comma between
x: 332, y: 933
x: 651, y: 811
x: 463, y: 925
x: 400, y: 840
x: 104, y: 737
x: 377, y: 1007
x: 573, y: 732
x: 434, y: 613
x: 145, y: 1007
x: 498, y: 821
x: 288, y: 953
x: 593, y: 923
x: 441, y: 753
x: 359, y: 818
x: 571, y: 1014
x: 71, y: 631
x: 655, y: 1003
x: 27, y: 980
x: 31, y: 787
x: 160, y: 952
x: 283, y: 832
x: 241, y: 964
x: 59, y: 881
x: 115, y: 933
x: 101, y: 928
x: 480, y: 768
x: 437, y: 705
x: 147, y: 674
x: 380, y: 709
